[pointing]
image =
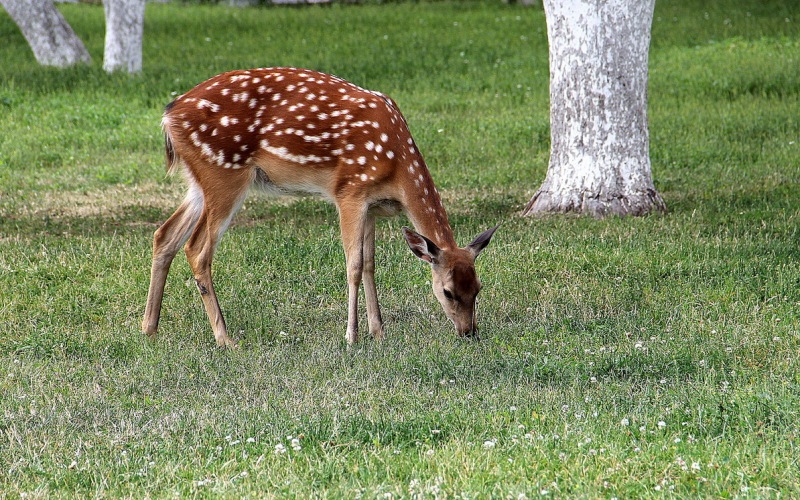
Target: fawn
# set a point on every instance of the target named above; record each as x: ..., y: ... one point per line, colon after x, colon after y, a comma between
x: 291, y: 131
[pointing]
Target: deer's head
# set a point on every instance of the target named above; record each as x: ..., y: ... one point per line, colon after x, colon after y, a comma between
x: 455, y: 282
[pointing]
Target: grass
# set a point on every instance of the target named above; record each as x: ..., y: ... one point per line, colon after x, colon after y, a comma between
x: 619, y: 358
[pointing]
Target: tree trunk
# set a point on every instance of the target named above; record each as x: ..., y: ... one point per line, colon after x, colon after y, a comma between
x: 124, y: 32
x: 599, y: 153
x: 50, y: 36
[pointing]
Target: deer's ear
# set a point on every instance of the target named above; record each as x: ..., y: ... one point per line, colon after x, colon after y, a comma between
x: 479, y: 243
x: 421, y: 246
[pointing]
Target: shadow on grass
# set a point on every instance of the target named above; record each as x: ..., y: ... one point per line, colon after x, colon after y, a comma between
x: 304, y: 211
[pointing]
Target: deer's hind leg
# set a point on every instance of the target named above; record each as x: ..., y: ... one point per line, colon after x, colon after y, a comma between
x: 224, y: 191
x: 167, y: 240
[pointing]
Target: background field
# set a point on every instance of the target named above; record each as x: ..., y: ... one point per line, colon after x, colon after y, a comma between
x: 619, y: 358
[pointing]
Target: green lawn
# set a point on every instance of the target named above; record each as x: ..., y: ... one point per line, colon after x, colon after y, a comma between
x: 619, y: 358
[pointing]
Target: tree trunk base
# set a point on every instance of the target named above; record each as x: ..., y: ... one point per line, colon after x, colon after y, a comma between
x: 585, y: 203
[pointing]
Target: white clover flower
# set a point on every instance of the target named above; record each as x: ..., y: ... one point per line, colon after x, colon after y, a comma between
x: 488, y: 445
x: 296, y: 444
x: 280, y: 448
x: 625, y: 422
x: 661, y: 424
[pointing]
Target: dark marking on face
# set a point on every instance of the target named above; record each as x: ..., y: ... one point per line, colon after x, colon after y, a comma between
x: 466, y: 282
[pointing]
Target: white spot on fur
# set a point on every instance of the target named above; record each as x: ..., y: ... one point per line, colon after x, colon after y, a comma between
x: 203, y: 103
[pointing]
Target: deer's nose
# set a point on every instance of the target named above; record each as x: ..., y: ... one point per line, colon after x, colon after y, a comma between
x: 469, y: 330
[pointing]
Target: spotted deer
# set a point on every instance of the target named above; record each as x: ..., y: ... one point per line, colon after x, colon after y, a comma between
x: 291, y: 131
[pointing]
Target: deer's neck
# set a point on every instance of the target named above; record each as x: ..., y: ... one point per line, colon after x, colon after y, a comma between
x: 423, y: 205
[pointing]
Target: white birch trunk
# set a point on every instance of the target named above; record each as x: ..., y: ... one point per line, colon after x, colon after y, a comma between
x: 51, y: 38
x: 124, y: 32
x: 599, y: 152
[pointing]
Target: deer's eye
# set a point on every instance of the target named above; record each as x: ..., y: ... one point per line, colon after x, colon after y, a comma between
x: 448, y: 294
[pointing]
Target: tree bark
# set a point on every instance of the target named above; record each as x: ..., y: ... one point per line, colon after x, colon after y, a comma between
x: 599, y: 153
x: 124, y: 32
x: 51, y: 38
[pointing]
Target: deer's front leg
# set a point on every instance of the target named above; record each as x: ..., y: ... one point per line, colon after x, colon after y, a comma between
x: 370, y: 291
x: 352, y: 221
